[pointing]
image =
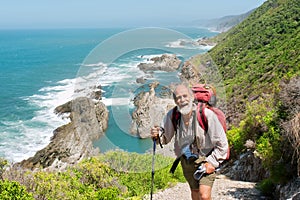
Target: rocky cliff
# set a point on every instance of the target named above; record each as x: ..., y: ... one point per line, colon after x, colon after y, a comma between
x: 165, y: 62
x: 74, y: 141
x: 149, y: 111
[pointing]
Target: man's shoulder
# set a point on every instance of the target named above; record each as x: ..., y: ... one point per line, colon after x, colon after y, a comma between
x: 209, y: 112
x: 170, y: 112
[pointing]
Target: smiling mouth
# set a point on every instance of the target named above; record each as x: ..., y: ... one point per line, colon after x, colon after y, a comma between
x: 183, y: 105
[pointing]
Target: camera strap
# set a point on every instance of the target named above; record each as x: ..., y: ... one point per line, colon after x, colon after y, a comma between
x: 177, y: 160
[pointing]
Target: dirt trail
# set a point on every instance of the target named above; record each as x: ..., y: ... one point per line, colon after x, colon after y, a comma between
x: 223, y: 189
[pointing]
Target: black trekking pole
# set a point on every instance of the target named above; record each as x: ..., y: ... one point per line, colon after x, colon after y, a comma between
x: 152, y: 178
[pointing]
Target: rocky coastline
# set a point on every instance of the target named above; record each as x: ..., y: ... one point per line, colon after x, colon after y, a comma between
x: 88, y: 116
x: 89, y: 120
x: 72, y: 142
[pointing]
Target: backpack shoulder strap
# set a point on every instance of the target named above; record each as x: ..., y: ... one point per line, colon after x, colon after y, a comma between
x: 201, y: 116
x: 176, y: 118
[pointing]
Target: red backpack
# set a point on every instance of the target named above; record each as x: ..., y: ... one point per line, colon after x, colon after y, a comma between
x: 205, y: 98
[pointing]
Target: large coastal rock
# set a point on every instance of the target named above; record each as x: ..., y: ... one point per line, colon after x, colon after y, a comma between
x: 150, y: 111
x: 165, y: 62
x: 205, y: 42
x: 74, y: 141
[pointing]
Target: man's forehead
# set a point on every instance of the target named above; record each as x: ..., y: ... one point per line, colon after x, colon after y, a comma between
x: 181, y: 89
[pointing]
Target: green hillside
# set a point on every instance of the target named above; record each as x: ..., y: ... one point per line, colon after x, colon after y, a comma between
x: 261, y: 51
x: 259, y: 60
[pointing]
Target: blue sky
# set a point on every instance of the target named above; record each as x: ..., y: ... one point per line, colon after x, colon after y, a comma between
x: 115, y: 13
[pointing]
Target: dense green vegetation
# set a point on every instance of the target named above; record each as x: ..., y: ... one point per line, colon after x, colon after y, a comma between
x: 13, y: 190
x: 114, y: 175
x: 254, y: 58
x: 260, y: 51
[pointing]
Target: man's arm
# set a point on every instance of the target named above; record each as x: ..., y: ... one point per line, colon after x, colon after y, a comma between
x: 218, y: 139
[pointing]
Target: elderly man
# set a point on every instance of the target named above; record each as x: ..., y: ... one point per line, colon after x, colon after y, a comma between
x: 211, y: 145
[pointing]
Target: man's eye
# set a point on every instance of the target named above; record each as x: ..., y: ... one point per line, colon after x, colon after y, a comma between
x: 182, y: 97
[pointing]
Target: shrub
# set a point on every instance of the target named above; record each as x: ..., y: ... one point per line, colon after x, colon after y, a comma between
x: 12, y: 190
x: 114, y: 175
x: 266, y: 187
x: 89, y: 179
x: 135, y: 171
x: 236, y: 138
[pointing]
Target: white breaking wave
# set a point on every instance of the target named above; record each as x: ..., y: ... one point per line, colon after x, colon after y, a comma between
x: 116, y: 101
x: 100, y: 64
x: 147, y: 58
x: 37, y: 131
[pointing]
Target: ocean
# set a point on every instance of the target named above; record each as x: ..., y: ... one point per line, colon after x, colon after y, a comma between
x: 41, y: 69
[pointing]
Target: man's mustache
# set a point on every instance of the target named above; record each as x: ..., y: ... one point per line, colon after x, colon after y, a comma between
x: 184, y: 104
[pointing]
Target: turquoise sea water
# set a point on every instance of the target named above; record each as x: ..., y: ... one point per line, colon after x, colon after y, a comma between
x: 41, y: 69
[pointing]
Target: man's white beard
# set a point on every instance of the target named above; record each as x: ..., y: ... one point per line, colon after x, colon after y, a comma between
x: 186, y: 109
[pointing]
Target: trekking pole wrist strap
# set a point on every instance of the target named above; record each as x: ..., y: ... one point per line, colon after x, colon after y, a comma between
x: 161, y: 131
x: 159, y: 141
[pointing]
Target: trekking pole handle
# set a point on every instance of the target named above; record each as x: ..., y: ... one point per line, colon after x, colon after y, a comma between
x: 156, y: 132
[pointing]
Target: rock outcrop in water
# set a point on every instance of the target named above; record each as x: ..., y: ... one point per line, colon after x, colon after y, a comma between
x: 150, y: 110
x: 74, y: 141
x: 165, y: 62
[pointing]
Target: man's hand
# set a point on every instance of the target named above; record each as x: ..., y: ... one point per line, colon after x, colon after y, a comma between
x: 155, y: 132
x: 209, y: 168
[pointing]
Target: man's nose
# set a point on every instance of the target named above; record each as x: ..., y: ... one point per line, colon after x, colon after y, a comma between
x: 182, y: 98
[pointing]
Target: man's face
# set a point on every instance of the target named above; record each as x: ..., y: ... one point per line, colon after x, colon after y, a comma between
x: 183, y: 100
